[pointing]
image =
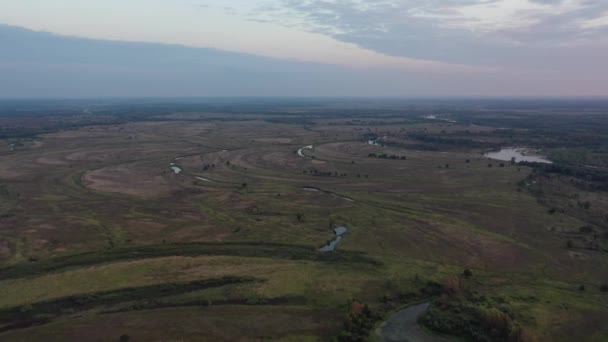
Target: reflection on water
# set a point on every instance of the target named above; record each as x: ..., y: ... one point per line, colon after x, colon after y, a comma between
x: 332, y: 245
x: 300, y: 151
x: 176, y: 168
x: 517, y: 154
x: 434, y: 117
x: 403, y: 326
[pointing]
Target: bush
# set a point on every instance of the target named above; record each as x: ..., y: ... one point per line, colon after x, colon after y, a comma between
x: 467, y: 273
x: 585, y: 229
x: 359, y: 324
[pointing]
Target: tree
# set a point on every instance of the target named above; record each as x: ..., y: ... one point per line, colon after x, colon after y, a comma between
x: 467, y: 273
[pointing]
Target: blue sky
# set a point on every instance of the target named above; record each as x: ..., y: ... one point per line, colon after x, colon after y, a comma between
x: 403, y: 47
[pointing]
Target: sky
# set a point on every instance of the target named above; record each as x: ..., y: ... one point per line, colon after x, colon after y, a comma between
x: 304, y: 47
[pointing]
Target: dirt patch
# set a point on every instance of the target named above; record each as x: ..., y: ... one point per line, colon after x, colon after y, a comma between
x: 274, y: 140
x: 54, y: 161
x: 132, y: 179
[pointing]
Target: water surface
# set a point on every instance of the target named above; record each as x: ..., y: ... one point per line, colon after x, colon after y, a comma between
x: 403, y: 326
x: 300, y: 151
x: 519, y: 153
x: 334, y: 243
x: 175, y: 168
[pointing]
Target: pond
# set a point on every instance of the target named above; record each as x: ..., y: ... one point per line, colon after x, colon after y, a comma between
x: 434, y: 117
x: 519, y: 153
x: 332, y: 245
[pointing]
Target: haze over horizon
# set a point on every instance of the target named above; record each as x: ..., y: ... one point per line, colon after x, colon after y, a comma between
x: 400, y: 48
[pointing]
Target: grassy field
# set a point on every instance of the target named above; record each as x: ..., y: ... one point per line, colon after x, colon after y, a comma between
x: 100, y: 237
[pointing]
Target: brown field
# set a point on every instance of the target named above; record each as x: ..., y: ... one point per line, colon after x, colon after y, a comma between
x: 429, y: 216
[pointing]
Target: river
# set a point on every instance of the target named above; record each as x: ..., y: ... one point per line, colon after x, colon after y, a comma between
x: 403, y: 326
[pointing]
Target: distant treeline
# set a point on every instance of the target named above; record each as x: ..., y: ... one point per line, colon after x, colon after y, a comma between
x: 591, y: 179
x: 450, y: 140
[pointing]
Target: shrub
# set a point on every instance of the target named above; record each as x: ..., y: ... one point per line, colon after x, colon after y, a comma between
x: 359, y: 324
x: 586, y: 229
x: 451, y: 286
x: 467, y: 273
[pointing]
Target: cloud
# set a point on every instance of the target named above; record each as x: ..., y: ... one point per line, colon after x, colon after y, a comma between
x: 39, y: 64
x: 517, y: 34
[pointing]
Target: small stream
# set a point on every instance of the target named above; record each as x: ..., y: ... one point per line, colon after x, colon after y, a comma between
x: 403, y: 326
x: 176, y: 168
x: 310, y: 188
x: 300, y: 151
x: 334, y: 243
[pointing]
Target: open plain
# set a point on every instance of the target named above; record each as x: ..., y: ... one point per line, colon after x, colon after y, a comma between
x: 208, y: 225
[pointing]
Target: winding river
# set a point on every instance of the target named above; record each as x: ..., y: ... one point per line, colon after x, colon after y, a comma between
x: 301, y: 151
x: 175, y: 168
x: 334, y: 243
x: 403, y: 326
